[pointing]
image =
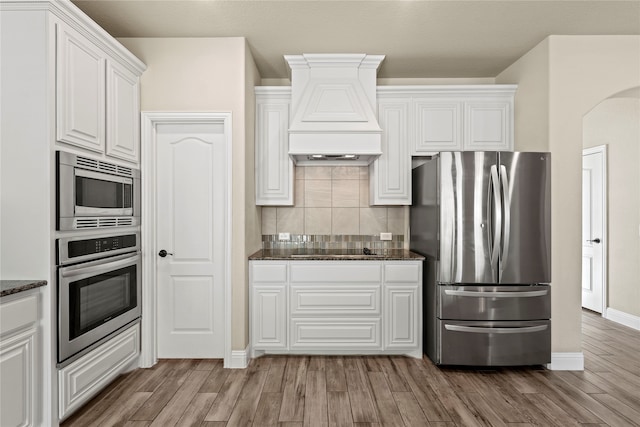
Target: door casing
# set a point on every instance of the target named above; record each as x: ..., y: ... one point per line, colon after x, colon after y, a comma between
x: 150, y: 120
x: 602, y: 149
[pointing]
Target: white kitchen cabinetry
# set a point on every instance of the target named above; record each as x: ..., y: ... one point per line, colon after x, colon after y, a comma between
x: 19, y: 359
x: 123, y: 113
x: 269, y: 299
x: 424, y: 120
x: 402, y: 295
x: 98, y: 98
x: 390, y: 177
x: 80, y: 91
x: 274, y: 167
x: 336, y: 307
x: 86, y: 376
x: 438, y: 124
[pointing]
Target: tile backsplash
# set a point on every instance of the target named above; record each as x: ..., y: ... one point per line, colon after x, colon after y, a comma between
x: 333, y: 200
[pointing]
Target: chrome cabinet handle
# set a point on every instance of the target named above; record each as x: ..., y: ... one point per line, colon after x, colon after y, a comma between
x: 596, y: 240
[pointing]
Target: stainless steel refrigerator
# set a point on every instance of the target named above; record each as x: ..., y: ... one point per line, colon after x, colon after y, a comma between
x: 483, y: 222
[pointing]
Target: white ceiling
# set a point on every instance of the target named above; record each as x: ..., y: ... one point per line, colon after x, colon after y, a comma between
x: 420, y: 38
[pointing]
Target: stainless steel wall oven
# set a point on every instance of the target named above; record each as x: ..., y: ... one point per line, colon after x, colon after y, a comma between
x: 94, y: 194
x: 99, y: 290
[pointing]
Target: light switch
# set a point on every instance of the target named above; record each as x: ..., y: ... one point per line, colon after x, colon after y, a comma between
x: 284, y: 236
x: 386, y: 236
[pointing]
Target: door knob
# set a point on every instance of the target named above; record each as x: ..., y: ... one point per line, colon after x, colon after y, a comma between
x: 596, y: 240
x: 164, y: 253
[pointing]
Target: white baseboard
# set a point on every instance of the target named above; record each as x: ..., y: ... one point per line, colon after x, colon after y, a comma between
x: 623, y: 318
x: 566, y: 362
x: 239, y: 359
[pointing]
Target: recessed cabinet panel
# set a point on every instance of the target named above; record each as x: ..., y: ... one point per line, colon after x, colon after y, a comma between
x: 402, y: 326
x: 438, y: 125
x: 274, y: 167
x: 391, y: 173
x: 269, y: 325
x: 80, y: 91
x: 332, y: 300
x: 488, y: 126
x: 18, y: 373
x: 123, y: 125
x: 335, y: 334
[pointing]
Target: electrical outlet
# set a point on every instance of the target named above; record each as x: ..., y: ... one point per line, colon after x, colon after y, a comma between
x: 386, y: 236
x: 284, y: 236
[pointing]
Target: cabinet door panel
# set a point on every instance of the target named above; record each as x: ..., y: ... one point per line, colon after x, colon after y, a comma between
x: 123, y: 118
x: 391, y: 172
x: 335, y: 334
x: 438, y: 125
x: 269, y: 314
x: 488, y: 126
x: 402, y: 317
x: 17, y: 370
x: 274, y: 167
x: 80, y: 91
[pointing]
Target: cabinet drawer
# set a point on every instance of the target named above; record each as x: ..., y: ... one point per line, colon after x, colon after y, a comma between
x: 307, y: 300
x: 269, y: 273
x: 495, y: 343
x: 402, y: 273
x: 335, y: 334
x: 19, y: 313
x: 338, y: 272
x: 84, y: 378
x: 494, y: 302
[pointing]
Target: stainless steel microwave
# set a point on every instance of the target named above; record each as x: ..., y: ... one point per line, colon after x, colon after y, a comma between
x: 95, y: 194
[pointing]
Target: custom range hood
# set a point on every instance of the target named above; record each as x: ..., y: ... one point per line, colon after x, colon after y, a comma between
x: 333, y: 104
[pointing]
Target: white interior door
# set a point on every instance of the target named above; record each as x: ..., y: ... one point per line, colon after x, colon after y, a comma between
x: 593, y: 228
x: 191, y: 176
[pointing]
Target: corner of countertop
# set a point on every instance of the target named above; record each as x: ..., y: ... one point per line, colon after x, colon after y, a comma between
x: 10, y: 287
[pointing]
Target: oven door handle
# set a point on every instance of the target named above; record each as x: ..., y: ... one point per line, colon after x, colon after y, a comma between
x: 96, y: 267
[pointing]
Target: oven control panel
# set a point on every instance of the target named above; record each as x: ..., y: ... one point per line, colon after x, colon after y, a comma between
x: 85, y: 248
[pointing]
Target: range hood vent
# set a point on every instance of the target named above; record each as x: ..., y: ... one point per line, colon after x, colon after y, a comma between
x: 333, y: 104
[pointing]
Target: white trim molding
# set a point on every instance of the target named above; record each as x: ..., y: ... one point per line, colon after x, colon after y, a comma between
x: 239, y: 359
x: 605, y: 221
x: 566, y: 362
x: 150, y: 120
x: 623, y: 318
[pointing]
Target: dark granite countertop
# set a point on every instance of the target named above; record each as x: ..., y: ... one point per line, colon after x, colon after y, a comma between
x: 334, y: 255
x: 8, y: 287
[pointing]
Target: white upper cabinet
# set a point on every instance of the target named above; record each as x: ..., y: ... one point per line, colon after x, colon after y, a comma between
x: 390, y: 177
x: 98, y: 98
x: 488, y: 125
x: 274, y: 167
x: 438, y: 124
x: 123, y: 113
x: 80, y: 91
x: 424, y: 120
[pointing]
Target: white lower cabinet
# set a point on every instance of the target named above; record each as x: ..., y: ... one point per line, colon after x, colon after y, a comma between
x: 336, y: 307
x: 85, y: 377
x: 19, y: 359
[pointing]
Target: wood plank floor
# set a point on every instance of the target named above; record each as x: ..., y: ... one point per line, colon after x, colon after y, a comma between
x: 290, y: 391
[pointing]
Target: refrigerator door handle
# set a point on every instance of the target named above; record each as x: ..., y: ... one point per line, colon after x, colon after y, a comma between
x: 485, y: 330
x: 496, y: 294
x: 497, y: 208
x: 504, y: 178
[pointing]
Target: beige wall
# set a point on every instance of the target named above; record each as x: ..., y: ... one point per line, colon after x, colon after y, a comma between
x: 616, y: 123
x: 210, y: 74
x: 575, y: 73
x: 332, y: 200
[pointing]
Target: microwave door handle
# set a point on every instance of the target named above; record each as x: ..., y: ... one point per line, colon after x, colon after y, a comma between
x: 98, y: 268
x: 102, y: 176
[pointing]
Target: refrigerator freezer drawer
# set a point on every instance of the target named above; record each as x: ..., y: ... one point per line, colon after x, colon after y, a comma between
x: 494, y: 343
x: 494, y: 302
